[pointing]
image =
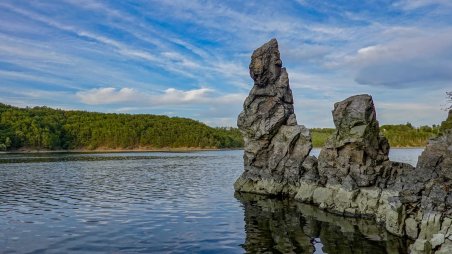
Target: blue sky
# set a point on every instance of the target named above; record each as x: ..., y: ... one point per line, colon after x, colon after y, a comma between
x: 190, y: 58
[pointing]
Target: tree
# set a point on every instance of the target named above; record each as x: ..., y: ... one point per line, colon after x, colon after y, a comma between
x: 449, y: 100
x: 7, y: 142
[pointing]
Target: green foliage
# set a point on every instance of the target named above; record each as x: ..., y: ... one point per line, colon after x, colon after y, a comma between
x: 447, y: 124
x: 402, y: 135
x: 46, y: 128
x: 320, y: 135
x: 405, y: 135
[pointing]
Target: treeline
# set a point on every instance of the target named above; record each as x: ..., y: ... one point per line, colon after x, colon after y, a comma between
x: 52, y: 129
x: 400, y: 135
x: 406, y: 135
x: 46, y: 128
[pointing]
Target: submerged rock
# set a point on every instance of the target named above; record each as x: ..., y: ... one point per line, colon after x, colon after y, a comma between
x: 275, y: 146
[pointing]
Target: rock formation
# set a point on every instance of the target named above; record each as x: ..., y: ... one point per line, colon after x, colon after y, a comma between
x: 355, y: 154
x: 275, y: 146
x: 353, y: 175
x: 426, y: 195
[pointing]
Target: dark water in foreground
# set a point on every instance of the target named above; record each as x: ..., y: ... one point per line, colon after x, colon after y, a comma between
x: 164, y: 203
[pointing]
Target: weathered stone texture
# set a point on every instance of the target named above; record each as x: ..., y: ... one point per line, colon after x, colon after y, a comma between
x: 275, y: 146
x: 354, y: 155
x: 426, y: 192
x: 353, y: 175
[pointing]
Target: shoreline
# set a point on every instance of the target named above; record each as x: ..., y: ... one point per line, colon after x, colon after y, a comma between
x: 135, y: 150
x: 147, y: 150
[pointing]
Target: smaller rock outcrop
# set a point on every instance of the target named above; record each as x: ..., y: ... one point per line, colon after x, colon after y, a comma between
x: 275, y: 146
x: 356, y: 155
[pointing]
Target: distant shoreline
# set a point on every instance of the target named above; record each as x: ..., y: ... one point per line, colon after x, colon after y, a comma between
x: 143, y: 150
x: 135, y: 150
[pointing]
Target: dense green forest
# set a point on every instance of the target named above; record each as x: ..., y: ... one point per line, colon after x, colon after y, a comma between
x: 51, y: 129
x: 46, y: 128
x: 400, y: 135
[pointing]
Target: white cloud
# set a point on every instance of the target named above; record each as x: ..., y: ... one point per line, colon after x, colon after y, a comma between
x: 174, y: 96
x: 161, y: 60
x: 171, y: 96
x: 424, y: 60
x: 415, y: 4
x: 107, y: 95
x: 204, y: 104
x: 201, y: 96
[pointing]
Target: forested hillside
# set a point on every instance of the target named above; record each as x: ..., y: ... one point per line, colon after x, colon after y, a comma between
x: 46, y: 128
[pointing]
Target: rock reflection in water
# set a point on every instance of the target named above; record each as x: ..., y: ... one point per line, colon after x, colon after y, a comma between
x: 285, y: 226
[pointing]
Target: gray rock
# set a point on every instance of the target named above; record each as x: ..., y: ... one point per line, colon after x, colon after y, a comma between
x: 426, y: 191
x: 437, y: 240
x: 356, y: 153
x: 428, y: 187
x: 275, y: 146
x: 411, y: 228
x: 353, y: 175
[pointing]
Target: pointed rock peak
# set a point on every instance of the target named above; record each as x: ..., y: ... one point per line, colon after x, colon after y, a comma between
x: 265, y: 66
x: 354, y: 111
x: 356, y: 141
x: 275, y: 146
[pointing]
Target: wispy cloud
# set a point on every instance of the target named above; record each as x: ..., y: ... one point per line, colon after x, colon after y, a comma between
x: 107, y: 95
x: 194, y: 62
x: 407, y: 62
x: 170, y: 96
x: 415, y: 4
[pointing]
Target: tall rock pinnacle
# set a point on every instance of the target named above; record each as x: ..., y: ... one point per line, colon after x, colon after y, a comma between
x: 275, y: 146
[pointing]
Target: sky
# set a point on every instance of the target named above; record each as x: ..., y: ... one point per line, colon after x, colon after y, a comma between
x: 190, y: 58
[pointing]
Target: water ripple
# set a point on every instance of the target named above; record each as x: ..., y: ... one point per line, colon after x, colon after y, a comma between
x: 124, y: 203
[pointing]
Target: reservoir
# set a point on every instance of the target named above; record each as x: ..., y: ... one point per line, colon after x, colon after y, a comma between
x: 165, y: 203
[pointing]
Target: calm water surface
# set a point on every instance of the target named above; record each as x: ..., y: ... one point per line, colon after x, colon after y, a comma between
x: 164, y: 203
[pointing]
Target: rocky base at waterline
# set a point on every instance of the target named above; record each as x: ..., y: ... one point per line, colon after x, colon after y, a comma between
x: 353, y: 175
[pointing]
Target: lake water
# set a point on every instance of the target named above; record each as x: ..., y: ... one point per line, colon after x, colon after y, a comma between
x: 164, y: 203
